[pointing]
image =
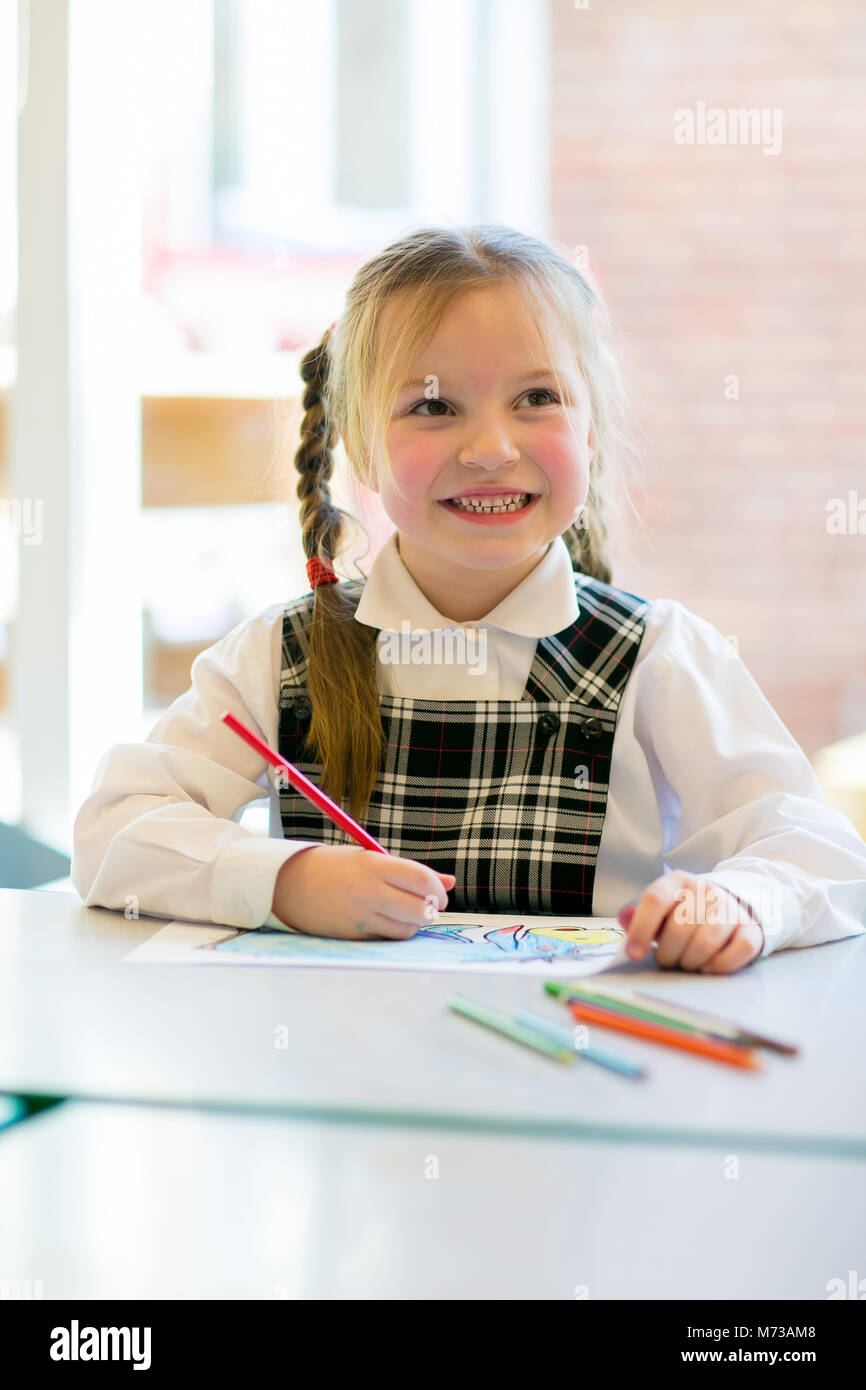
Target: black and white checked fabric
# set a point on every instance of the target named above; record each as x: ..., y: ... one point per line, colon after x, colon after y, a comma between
x: 508, y: 795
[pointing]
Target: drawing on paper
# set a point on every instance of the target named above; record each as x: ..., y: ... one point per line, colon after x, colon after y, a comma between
x: 440, y: 943
x: 529, y: 941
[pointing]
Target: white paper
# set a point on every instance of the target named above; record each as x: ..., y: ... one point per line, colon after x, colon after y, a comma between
x: 547, y: 946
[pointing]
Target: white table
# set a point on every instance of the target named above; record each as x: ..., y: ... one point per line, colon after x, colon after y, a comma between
x: 396, y: 1151
x: 137, y: 1202
x: 78, y: 1021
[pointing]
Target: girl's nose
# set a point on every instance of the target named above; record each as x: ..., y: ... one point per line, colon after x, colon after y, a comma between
x: 490, y: 447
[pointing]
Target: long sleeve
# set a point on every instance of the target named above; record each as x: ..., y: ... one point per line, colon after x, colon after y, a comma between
x: 157, y: 831
x: 740, y: 804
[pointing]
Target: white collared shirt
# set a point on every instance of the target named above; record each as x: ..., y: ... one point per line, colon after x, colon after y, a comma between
x: 704, y: 775
x: 544, y: 603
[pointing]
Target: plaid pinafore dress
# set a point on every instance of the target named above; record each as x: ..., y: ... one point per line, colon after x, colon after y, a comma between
x: 507, y: 795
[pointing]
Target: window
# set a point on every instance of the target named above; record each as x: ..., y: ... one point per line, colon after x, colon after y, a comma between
x: 294, y: 139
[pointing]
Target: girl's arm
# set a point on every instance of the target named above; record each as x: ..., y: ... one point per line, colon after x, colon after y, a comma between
x: 156, y: 833
x: 741, y: 804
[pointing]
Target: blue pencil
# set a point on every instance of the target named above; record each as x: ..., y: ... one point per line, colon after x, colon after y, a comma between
x: 565, y: 1037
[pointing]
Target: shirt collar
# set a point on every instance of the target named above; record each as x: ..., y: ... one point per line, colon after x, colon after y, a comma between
x: 543, y: 603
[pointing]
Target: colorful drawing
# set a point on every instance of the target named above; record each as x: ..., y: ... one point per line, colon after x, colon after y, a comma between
x: 441, y: 944
x: 530, y: 942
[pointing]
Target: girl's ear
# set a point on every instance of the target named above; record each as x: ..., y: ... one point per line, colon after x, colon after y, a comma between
x: 591, y: 442
x: 370, y: 480
x: 368, y: 476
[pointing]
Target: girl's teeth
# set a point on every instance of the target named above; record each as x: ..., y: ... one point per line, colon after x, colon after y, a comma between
x: 512, y: 503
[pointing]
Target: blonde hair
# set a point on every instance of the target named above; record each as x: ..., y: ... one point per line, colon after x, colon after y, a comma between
x: 352, y: 380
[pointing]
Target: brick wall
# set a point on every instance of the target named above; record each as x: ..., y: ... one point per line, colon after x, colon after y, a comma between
x: 716, y: 261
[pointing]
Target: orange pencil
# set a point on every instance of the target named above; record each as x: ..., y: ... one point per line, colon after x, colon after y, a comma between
x: 657, y: 1032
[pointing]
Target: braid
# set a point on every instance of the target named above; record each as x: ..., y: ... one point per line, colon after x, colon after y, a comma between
x: 587, y: 538
x: 345, y: 727
x: 320, y: 519
x: 586, y: 547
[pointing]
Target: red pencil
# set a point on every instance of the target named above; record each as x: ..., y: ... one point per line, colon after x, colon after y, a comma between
x: 303, y: 785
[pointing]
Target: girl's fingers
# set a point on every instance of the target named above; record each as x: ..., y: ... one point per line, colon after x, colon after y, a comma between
x: 688, y: 944
x: 724, y: 917
x: 408, y: 910
x: 408, y: 876
x: 666, y: 913
x: 377, y: 925
x: 703, y: 931
x: 675, y: 939
x: 706, y: 941
x: 654, y: 904
x: 743, y: 947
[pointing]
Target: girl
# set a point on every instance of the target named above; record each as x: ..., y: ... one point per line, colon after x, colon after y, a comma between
x: 608, y: 754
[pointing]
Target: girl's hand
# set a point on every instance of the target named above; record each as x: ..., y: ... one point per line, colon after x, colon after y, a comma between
x: 697, y: 927
x: 358, y: 894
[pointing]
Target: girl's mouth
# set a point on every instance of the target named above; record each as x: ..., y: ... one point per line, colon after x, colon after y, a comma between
x: 492, y: 510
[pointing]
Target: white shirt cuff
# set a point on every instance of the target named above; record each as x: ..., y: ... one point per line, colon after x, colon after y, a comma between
x: 243, y: 881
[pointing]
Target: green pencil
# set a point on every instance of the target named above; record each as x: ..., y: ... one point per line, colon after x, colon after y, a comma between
x: 624, y: 1005
x: 482, y: 1013
x: 631, y: 1002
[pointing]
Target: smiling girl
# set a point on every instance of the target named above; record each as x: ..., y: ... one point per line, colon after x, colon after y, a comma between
x: 611, y: 756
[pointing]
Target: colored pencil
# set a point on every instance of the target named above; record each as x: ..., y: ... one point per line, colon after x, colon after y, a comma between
x: 303, y: 785
x: 624, y: 1006
x: 737, y: 1055
x: 557, y: 1033
x: 501, y: 1023
x: 642, y: 1005
x: 743, y: 1034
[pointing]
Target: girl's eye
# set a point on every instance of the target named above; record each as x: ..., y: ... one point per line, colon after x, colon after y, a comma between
x: 437, y: 400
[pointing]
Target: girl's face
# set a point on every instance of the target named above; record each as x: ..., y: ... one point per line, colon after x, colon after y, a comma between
x: 479, y: 417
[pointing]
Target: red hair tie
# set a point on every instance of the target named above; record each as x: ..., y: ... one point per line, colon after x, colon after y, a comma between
x: 320, y: 573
